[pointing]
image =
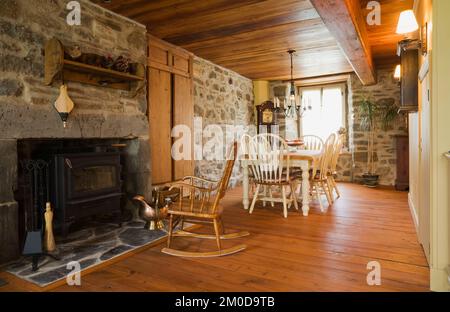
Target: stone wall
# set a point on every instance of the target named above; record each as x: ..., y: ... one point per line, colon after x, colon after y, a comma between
x: 223, y: 98
x: 353, y: 161
x: 387, y: 90
x: 26, y: 104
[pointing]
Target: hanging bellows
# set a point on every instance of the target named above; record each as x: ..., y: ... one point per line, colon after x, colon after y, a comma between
x: 63, y: 104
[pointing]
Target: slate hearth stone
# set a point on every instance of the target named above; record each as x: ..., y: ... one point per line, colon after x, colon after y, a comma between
x: 107, y: 228
x: 89, y: 246
x: 139, y: 236
x: 3, y: 282
x: 61, y: 272
x: 114, y: 252
x: 75, y: 236
x: 136, y: 224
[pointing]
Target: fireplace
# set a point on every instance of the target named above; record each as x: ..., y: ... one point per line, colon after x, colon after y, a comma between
x: 87, y: 179
x: 85, y: 185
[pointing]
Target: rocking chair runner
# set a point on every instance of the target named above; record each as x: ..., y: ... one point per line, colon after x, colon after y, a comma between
x: 202, y: 206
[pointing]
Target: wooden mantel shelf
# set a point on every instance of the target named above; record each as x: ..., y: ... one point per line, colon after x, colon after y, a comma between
x: 57, y: 67
x: 100, y: 71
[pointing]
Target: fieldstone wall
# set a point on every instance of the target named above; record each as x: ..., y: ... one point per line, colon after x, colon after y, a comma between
x: 387, y: 90
x: 353, y: 161
x: 26, y: 104
x: 223, y: 104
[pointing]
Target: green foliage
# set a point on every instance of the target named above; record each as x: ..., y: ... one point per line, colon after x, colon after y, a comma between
x: 372, y: 115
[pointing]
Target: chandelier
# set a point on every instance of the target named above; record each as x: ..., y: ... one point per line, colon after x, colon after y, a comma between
x: 292, y: 106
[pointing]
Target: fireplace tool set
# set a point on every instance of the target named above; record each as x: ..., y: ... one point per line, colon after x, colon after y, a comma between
x: 36, y: 174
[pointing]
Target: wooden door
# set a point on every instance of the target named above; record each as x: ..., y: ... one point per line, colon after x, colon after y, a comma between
x: 183, y: 114
x: 160, y: 120
x: 425, y: 149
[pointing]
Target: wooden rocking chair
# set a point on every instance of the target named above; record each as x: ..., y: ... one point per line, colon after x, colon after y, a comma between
x: 199, y: 207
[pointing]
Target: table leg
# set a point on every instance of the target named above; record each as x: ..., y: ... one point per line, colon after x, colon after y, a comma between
x: 245, y: 200
x: 305, y: 188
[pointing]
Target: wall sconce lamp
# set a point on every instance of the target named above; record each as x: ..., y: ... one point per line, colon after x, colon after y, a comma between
x: 407, y: 23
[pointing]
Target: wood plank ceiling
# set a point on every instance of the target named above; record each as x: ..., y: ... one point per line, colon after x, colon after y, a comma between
x: 382, y: 38
x: 251, y: 37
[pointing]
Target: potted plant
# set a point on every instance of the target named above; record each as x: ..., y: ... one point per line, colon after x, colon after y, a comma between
x: 372, y: 116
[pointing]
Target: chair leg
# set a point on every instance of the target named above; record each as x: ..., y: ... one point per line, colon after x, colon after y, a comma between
x: 169, y: 238
x: 330, y: 188
x: 265, y: 195
x: 255, y: 197
x: 283, y: 192
x: 294, y: 196
x: 318, y: 195
x: 271, y: 197
x: 338, y: 195
x: 326, y: 189
x: 217, y: 231
x: 222, y: 227
x: 181, y: 223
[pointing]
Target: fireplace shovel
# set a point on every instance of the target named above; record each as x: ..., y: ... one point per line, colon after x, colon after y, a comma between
x: 33, y: 247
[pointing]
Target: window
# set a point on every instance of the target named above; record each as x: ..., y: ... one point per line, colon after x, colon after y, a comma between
x: 328, y: 110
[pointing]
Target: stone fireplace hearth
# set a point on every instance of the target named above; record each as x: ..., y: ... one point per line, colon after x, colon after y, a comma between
x: 26, y: 104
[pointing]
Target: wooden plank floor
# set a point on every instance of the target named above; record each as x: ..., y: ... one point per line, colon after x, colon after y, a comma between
x: 321, y: 252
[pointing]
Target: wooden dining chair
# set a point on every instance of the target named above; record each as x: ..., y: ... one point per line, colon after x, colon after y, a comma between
x: 333, y: 164
x: 312, y: 142
x: 269, y: 163
x: 320, y: 182
x: 244, y: 149
x: 202, y: 206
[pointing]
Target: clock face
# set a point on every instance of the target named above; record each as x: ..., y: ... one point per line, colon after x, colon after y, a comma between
x: 267, y: 116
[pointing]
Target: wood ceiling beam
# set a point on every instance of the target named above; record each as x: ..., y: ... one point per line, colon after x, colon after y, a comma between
x: 346, y: 23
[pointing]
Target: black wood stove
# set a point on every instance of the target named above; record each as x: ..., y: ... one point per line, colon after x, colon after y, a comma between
x: 84, y: 185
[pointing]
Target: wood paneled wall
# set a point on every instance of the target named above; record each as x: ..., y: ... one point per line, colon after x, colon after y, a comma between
x: 170, y: 104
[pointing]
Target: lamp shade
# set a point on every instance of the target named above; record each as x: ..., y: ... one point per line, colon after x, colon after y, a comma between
x: 407, y: 22
x: 398, y: 72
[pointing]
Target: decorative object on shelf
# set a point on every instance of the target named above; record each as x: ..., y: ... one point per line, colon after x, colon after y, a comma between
x: 63, y: 104
x: 49, y: 239
x: 155, y: 212
x: 92, y: 69
x: 108, y: 62
x: 293, y: 107
x: 121, y: 64
x: 73, y: 53
x: 132, y: 68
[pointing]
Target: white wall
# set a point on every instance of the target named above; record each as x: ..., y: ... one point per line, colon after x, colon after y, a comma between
x: 440, y: 143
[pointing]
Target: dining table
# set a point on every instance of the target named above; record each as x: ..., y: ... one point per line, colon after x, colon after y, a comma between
x: 303, y: 159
